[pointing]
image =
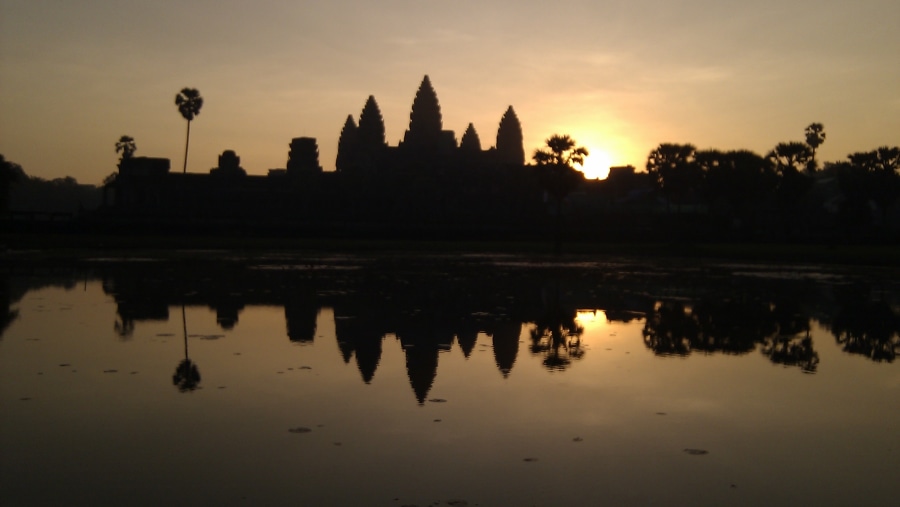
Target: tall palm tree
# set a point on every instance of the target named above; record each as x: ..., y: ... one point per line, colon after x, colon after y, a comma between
x: 189, y: 103
x: 557, y: 173
x: 815, y: 136
x: 558, y: 161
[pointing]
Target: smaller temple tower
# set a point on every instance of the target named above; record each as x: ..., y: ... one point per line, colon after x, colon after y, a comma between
x: 303, y: 158
x: 510, y: 148
x: 229, y: 165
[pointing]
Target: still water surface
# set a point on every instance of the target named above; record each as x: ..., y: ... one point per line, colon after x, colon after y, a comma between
x: 490, y: 381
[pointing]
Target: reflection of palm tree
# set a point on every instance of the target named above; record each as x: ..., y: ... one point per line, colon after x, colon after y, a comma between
x: 556, y: 335
x: 124, y: 327
x: 189, y: 103
x: 730, y: 325
x: 790, y: 344
x: 670, y: 329
x: 791, y: 351
x: 187, y: 376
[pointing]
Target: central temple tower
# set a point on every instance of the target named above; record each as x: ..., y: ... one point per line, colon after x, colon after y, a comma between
x: 423, y: 138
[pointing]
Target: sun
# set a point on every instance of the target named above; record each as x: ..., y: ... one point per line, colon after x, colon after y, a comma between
x: 596, y: 164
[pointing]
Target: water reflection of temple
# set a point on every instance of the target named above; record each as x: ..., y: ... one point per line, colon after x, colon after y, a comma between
x: 428, y: 309
x: 426, y: 312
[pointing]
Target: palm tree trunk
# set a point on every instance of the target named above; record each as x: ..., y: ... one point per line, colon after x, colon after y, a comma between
x: 557, y: 233
x: 184, y: 323
x: 187, y: 142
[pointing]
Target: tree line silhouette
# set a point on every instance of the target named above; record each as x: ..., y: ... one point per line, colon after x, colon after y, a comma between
x: 745, y: 194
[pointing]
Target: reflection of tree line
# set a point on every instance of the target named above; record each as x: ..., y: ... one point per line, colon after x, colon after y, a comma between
x: 427, y: 308
x: 15, y: 283
x: 867, y: 323
x: 732, y: 326
x: 862, y: 320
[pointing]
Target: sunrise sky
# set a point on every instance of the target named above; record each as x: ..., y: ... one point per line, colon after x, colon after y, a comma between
x: 618, y: 76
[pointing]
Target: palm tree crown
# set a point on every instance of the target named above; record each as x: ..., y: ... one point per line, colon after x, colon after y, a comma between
x: 126, y: 146
x: 189, y: 103
x: 560, y: 151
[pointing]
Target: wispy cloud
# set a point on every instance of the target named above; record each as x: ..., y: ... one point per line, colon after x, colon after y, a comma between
x: 440, y: 37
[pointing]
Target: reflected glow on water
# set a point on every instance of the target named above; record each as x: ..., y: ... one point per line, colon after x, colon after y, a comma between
x: 335, y: 393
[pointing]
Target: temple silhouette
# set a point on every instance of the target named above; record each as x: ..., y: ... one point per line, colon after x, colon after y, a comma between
x: 362, y: 148
x: 428, y: 182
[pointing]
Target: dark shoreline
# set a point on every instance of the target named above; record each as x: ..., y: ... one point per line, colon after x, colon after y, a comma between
x: 38, y: 248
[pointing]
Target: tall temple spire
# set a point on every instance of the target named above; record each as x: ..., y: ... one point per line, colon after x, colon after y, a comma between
x: 348, y: 146
x: 424, y: 120
x: 470, y: 142
x: 510, y: 148
x: 371, y: 124
x: 371, y: 136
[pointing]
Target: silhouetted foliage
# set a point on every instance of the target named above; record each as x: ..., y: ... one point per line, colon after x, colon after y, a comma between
x: 865, y: 325
x: 557, y: 174
x: 670, y: 329
x: 126, y: 146
x: 32, y: 194
x: 732, y: 326
x: 815, y: 136
x: 792, y: 351
x: 736, y: 183
x: 556, y: 335
x: 7, y: 315
x: 10, y: 173
x: 189, y: 103
x: 792, y: 163
x: 877, y: 177
x: 187, y: 376
x: 674, y: 170
x: 792, y: 157
x: 556, y: 164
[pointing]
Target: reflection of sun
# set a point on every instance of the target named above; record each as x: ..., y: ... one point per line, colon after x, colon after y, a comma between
x: 596, y: 164
x: 590, y: 319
